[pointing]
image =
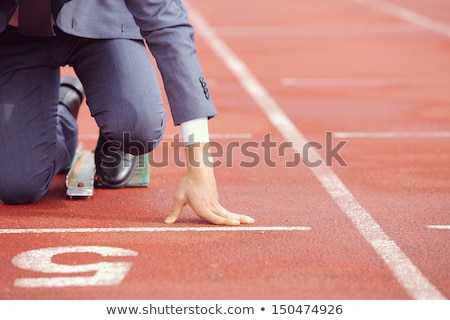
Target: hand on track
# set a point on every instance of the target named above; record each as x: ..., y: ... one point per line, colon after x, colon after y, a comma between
x: 198, y: 190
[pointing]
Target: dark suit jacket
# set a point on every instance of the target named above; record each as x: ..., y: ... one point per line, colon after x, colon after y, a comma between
x: 164, y: 26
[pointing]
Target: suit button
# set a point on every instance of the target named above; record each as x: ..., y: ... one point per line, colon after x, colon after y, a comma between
x: 205, y: 87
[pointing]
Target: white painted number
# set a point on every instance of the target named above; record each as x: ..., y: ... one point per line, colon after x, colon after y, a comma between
x: 40, y: 260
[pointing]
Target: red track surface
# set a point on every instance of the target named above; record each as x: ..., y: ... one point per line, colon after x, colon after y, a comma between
x: 330, y: 66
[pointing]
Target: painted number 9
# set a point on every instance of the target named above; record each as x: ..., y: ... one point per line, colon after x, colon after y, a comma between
x: 40, y: 260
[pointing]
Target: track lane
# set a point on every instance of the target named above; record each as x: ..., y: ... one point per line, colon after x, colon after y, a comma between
x: 266, y: 101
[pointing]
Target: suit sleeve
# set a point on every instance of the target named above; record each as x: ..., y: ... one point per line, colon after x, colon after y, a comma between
x: 170, y: 38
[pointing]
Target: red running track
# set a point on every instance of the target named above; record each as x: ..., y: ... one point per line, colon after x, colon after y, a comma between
x: 374, y: 75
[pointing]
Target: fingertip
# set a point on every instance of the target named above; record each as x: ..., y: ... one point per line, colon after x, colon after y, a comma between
x: 175, y: 212
x: 172, y: 217
x: 235, y: 222
x: 249, y: 220
x: 170, y: 220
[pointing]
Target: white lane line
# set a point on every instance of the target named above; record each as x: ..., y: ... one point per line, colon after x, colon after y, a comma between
x: 407, y: 15
x: 148, y: 230
x: 411, y: 278
x: 392, y: 135
x: 364, y: 82
x: 442, y: 227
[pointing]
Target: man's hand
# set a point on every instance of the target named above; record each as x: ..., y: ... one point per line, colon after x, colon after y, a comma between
x: 198, y: 190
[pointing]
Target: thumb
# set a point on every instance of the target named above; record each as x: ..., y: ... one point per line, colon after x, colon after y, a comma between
x: 175, y: 212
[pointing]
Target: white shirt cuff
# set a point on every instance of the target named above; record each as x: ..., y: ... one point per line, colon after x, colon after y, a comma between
x: 195, y: 131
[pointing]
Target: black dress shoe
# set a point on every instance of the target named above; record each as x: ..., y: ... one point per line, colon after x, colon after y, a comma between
x: 71, y: 94
x: 114, y: 167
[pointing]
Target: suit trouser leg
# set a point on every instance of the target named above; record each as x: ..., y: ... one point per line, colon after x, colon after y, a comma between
x: 122, y: 91
x: 37, y: 138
